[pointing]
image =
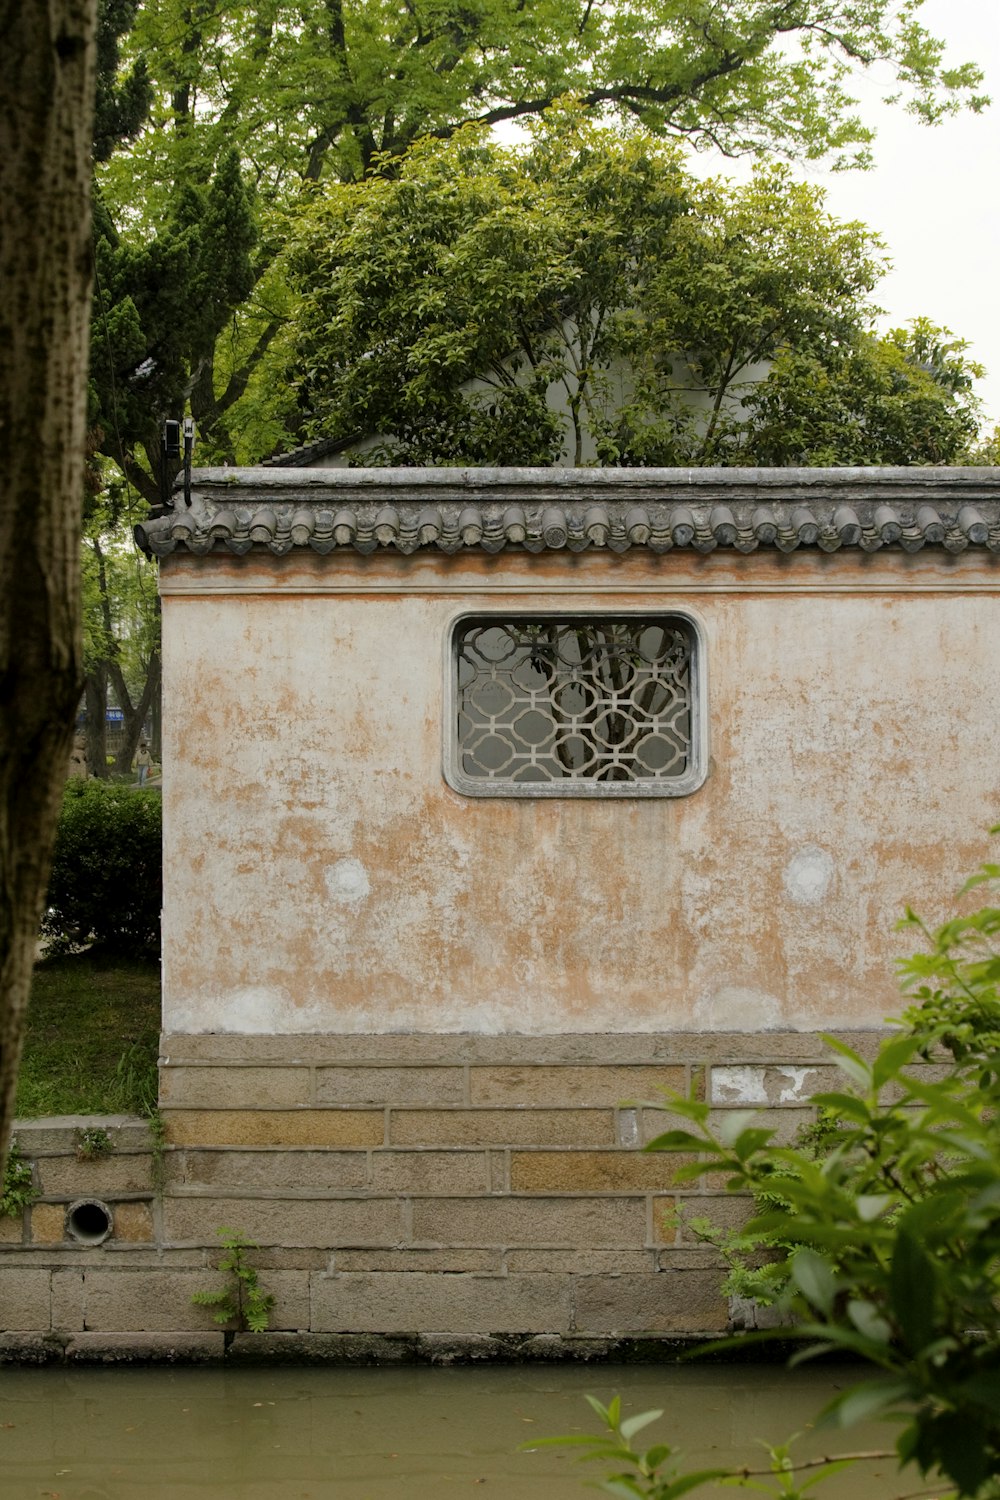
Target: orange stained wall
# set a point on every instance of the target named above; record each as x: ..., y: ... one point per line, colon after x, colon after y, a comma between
x: 320, y: 876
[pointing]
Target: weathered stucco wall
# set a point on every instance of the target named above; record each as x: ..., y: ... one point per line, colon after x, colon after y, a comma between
x: 321, y: 876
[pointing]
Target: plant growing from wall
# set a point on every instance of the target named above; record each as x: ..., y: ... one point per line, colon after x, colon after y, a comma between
x: 92, y: 1143
x: 18, y: 1191
x: 240, y: 1300
x: 887, y: 1239
x: 158, y: 1150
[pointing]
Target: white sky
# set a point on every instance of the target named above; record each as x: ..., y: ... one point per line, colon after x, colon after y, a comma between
x: 933, y: 196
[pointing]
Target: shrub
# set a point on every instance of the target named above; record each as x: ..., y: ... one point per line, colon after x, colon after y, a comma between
x: 107, y: 872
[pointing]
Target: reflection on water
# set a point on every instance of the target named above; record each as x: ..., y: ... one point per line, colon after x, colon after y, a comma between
x: 414, y: 1434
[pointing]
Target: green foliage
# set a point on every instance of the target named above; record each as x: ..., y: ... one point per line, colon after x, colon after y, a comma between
x: 106, y: 882
x: 93, y: 1143
x: 758, y: 1265
x: 585, y: 298
x: 240, y: 1300
x: 18, y: 1191
x: 189, y: 300
x: 657, y: 1473
x: 476, y: 262
x: 122, y: 96
x: 325, y: 89
x: 121, y: 621
x: 161, y: 300
x: 955, y: 986
x: 872, y: 401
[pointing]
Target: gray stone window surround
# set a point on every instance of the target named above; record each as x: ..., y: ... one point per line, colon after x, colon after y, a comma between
x: 653, y: 786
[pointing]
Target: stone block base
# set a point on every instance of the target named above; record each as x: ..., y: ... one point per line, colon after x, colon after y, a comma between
x: 410, y: 1197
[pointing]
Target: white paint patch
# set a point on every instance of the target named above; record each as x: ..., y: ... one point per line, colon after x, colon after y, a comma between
x: 767, y: 1085
x: 735, y: 1008
x: 738, y: 1086
x: 254, y: 1010
x: 347, y: 881
x: 798, y: 1084
x: 808, y: 874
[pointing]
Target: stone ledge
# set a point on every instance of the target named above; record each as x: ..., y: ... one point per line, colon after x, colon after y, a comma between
x: 56, y: 1135
x: 374, y: 1349
x: 30, y: 1349
x: 370, y: 1350
x: 396, y: 1049
x: 146, y: 1348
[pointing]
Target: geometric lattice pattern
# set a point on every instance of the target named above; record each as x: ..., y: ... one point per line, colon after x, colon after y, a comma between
x: 595, y: 698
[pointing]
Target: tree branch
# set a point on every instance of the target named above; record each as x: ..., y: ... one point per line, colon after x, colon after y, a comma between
x: 238, y: 380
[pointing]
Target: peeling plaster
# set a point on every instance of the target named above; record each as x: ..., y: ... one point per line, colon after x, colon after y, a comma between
x: 808, y: 875
x: 771, y: 1085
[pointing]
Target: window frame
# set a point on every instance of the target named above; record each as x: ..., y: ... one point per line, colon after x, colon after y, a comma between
x: 661, y: 787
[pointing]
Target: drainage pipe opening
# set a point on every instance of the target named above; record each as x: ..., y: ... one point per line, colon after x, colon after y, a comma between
x: 89, y: 1221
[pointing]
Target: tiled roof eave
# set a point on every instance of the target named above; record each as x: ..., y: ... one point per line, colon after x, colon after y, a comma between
x: 545, y: 510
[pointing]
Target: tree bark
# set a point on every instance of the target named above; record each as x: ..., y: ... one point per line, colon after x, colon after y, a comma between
x: 135, y: 714
x: 46, y: 121
x: 97, y: 721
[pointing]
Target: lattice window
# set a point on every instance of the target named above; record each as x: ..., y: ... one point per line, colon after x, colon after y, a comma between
x: 588, y: 705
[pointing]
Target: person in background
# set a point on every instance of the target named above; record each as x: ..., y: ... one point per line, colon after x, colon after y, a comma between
x: 143, y: 761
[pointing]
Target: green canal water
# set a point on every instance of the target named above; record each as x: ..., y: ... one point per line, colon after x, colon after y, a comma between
x: 410, y: 1434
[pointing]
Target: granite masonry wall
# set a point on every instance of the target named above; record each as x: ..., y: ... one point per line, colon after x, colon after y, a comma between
x: 413, y: 1197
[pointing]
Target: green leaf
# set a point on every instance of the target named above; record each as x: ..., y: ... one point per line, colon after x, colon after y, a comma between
x: 677, y: 1140
x: 865, y: 1400
x: 733, y: 1123
x: 848, y: 1105
x: 891, y: 1057
x: 635, y: 1424
x: 868, y: 1320
x: 850, y: 1063
x: 622, y: 1487
x: 683, y: 1485
x: 871, y: 1206
x: 814, y: 1277
x: 912, y: 1290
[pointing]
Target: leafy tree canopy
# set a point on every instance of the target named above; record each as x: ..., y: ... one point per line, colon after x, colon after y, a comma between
x: 160, y: 303
x: 587, y: 298
x: 323, y: 87
x: 332, y: 89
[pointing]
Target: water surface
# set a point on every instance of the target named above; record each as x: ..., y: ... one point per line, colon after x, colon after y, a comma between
x: 397, y: 1434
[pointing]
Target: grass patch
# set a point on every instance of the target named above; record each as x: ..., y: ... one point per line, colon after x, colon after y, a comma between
x: 92, y: 1037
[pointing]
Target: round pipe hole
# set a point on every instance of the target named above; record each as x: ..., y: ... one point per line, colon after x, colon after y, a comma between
x: 89, y: 1221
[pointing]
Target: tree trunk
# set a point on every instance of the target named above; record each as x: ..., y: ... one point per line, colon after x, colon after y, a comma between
x: 97, y: 721
x: 46, y: 84
x: 135, y: 714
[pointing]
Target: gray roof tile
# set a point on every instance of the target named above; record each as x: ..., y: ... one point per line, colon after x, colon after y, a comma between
x: 539, y: 510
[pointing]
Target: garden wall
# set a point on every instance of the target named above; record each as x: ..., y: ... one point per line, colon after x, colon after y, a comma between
x: 412, y: 1029
x: 469, y: 1198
